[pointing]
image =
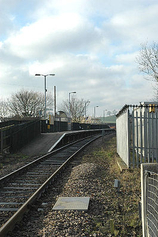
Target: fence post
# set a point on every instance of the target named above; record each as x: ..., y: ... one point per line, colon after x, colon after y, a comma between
x: 1, y: 141
x: 137, y: 141
x: 145, y: 137
x: 133, y: 137
x: 143, y: 199
x: 156, y: 138
x: 149, y: 136
x: 128, y: 137
x: 141, y: 137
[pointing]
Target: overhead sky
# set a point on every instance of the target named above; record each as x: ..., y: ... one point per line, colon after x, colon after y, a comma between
x: 90, y: 45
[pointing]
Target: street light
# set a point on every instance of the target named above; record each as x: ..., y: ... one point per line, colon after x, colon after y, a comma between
x: 104, y: 114
x: 73, y: 92
x: 45, y: 90
x: 94, y: 110
x: 86, y: 104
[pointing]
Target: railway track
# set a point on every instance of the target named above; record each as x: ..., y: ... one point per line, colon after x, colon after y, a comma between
x: 21, y: 188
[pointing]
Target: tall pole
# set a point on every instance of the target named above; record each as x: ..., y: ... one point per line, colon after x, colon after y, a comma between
x: 69, y: 116
x: 85, y: 110
x: 104, y: 114
x: 54, y: 100
x: 94, y: 110
x: 70, y: 102
x: 45, y: 90
x: 45, y: 104
x: 86, y: 103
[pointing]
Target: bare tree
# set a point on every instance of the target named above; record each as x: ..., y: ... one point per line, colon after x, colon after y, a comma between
x: 4, y: 109
x: 27, y: 104
x: 76, y: 107
x: 114, y: 112
x: 155, y: 93
x: 148, y: 61
x: 109, y: 113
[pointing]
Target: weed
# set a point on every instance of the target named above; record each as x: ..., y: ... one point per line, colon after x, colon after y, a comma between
x: 121, y: 211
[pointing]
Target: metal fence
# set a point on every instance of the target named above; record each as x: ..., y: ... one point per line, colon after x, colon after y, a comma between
x: 23, y: 134
x: 15, y: 136
x: 60, y: 126
x: 123, y: 142
x: 149, y: 199
x: 137, y: 134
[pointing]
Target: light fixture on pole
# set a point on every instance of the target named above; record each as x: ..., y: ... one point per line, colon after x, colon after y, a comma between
x: 86, y: 104
x: 73, y: 92
x: 45, y: 89
x: 94, y: 110
x: 104, y: 114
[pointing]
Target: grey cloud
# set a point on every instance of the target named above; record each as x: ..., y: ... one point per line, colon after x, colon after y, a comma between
x: 81, y: 39
x: 83, y: 56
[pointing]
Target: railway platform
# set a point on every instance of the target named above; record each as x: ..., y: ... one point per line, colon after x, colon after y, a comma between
x: 41, y: 144
x: 45, y: 142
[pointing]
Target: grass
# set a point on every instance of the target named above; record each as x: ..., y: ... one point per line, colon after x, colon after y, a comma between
x: 121, y: 216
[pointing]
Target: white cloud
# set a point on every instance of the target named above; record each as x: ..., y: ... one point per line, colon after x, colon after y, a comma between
x: 90, y: 45
x: 138, y: 24
x: 128, y: 58
x: 53, y: 35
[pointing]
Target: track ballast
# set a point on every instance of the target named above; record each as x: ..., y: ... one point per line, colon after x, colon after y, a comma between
x: 21, y: 188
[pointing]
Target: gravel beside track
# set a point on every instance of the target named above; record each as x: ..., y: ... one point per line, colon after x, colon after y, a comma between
x: 81, y: 179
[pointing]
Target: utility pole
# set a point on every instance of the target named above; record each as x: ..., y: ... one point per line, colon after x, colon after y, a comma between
x: 55, y: 101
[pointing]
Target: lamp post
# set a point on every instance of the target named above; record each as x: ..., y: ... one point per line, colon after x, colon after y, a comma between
x: 86, y: 103
x: 45, y: 89
x: 94, y: 110
x: 104, y: 114
x: 73, y: 92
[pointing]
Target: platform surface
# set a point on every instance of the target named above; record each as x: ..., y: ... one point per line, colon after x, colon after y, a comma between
x: 44, y: 143
x: 41, y: 144
x: 72, y: 203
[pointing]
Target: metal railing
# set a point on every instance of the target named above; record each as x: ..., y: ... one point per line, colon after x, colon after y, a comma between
x: 149, y: 183
x: 137, y: 134
x: 15, y: 136
x: 152, y: 203
x: 5, y: 133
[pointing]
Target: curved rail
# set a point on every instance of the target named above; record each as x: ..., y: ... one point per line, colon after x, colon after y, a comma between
x: 22, y: 187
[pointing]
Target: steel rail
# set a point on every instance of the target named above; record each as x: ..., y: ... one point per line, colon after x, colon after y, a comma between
x: 35, y: 162
x: 9, y: 225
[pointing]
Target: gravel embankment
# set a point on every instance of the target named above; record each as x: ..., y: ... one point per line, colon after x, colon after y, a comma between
x: 81, y: 181
x: 85, y: 178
